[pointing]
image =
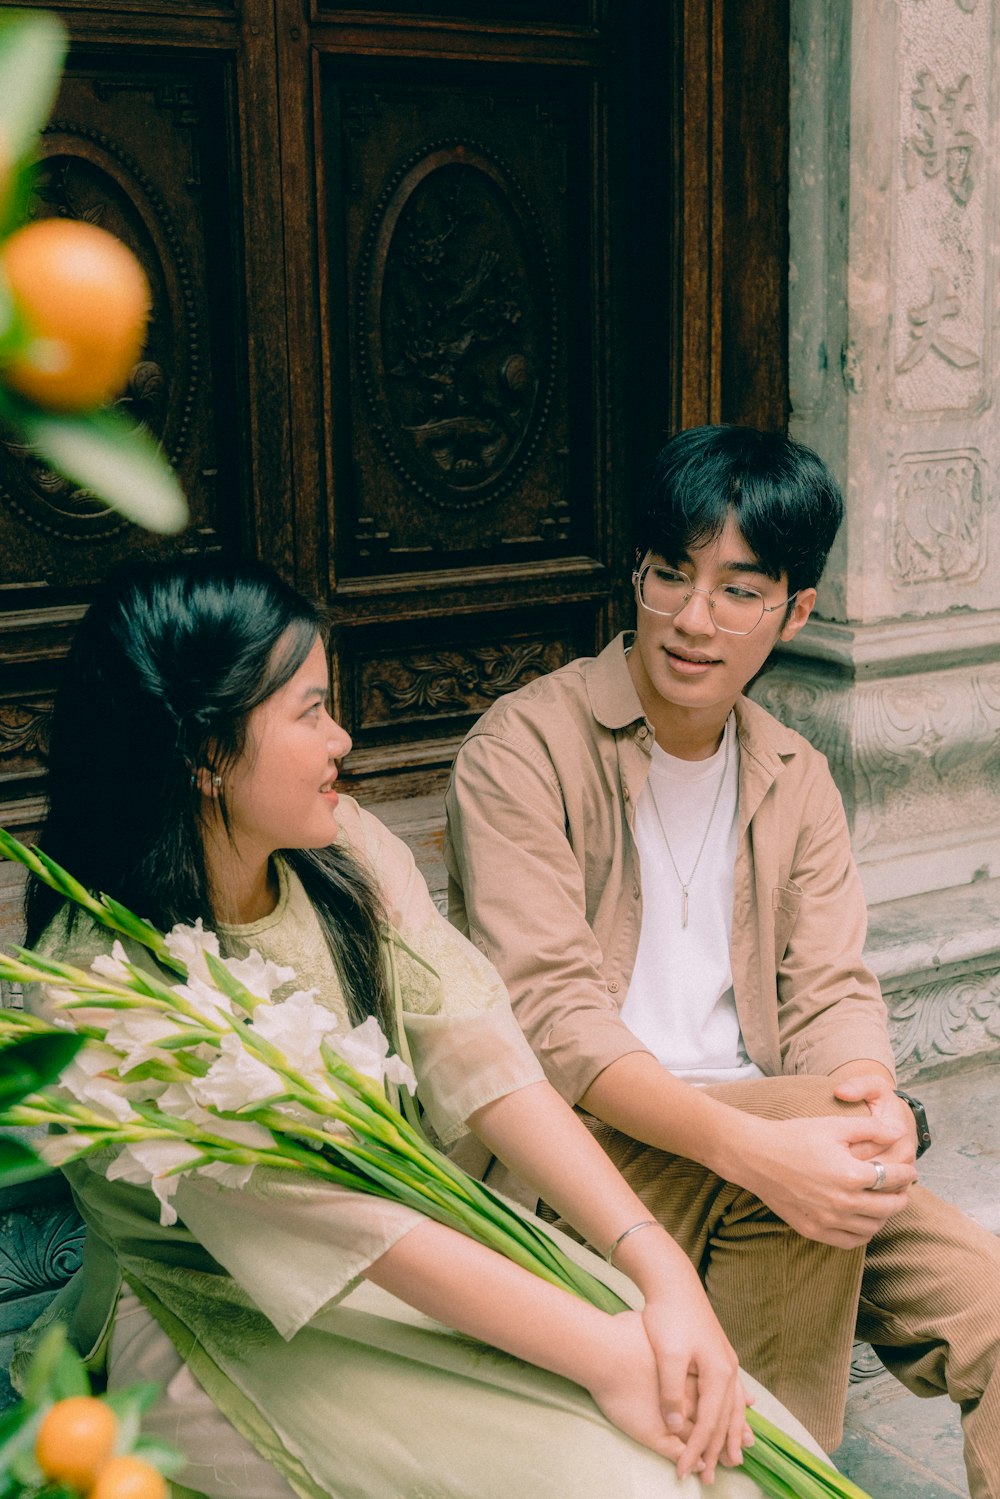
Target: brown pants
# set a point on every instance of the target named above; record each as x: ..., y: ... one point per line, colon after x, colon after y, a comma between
x: 925, y: 1293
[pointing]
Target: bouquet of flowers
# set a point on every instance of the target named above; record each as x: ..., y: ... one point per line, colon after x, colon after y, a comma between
x: 188, y: 1066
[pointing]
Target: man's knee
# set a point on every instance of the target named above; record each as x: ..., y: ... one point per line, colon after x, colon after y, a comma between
x: 800, y: 1097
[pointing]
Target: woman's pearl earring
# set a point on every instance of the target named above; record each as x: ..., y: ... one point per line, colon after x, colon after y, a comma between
x: 216, y: 781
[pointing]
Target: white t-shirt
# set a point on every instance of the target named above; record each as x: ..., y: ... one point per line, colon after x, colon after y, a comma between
x: 680, y: 1002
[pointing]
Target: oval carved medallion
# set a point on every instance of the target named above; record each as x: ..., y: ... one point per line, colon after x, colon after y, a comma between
x: 457, y: 325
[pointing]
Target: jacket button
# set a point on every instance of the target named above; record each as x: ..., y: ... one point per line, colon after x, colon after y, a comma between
x: 626, y: 793
x: 613, y: 986
x: 635, y: 892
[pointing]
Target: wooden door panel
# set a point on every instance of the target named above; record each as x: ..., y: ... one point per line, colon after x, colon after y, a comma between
x: 409, y: 693
x: 451, y: 216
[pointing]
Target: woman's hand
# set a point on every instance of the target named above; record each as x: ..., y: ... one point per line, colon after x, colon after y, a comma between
x: 701, y: 1394
x: 626, y: 1388
x: 698, y: 1418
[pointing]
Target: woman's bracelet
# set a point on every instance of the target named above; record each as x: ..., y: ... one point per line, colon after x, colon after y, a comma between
x: 645, y: 1223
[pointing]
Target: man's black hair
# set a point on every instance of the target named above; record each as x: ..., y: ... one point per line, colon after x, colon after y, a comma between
x: 781, y: 494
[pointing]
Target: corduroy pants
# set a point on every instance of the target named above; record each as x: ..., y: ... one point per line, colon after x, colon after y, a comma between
x: 925, y: 1293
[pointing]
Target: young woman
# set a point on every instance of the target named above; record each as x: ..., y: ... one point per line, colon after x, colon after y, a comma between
x: 311, y: 1340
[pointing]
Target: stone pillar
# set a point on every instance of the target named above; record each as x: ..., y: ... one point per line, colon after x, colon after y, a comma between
x: 894, y: 350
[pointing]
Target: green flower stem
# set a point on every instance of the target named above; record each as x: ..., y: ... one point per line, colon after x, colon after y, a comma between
x: 31, y: 968
x: 774, y: 1441
x: 107, y: 912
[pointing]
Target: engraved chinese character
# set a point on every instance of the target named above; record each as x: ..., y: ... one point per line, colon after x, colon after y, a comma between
x: 943, y: 143
x: 925, y: 329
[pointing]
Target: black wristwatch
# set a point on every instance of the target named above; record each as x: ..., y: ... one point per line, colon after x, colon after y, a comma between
x: 919, y: 1119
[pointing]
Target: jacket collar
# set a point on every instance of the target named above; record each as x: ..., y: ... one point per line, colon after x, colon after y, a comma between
x: 615, y: 704
x: 614, y: 701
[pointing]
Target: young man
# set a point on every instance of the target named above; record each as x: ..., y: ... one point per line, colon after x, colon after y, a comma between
x: 662, y: 874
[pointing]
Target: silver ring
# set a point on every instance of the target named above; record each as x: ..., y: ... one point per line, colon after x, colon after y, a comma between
x: 879, y: 1182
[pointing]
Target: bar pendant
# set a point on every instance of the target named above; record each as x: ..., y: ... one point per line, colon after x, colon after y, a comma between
x: 684, y: 905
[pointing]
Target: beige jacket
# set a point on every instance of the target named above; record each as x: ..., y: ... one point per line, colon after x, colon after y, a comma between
x: 544, y: 877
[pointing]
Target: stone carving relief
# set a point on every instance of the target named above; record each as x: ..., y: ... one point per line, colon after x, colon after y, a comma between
x: 943, y: 145
x: 463, y: 680
x: 39, y: 1251
x: 926, y: 332
x: 457, y: 318
x: 938, y: 529
x: 935, y: 1022
x: 915, y: 758
x: 940, y: 232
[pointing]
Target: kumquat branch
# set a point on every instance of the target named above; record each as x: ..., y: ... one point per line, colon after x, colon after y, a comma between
x: 179, y: 1061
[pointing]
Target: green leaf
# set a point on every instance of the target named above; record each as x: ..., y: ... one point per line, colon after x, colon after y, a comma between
x: 164, y: 1458
x: 55, y: 1371
x: 132, y: 1403
x: 10, y: 322
x: 17, y: 1439
x: 129, y: 1406
x: 42, y: 1057
x: 32, y: 52
x: 119, y: 463
x: 12, y: 848
x: 19, y: 1163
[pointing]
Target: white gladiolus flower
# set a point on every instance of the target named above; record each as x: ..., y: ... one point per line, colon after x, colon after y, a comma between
x: 56, y: 1150
x: 146, y: 1162
x: 179, y: 1102
x: 236, y: 1079
x: 227, y: 1175
x: 91, y: 1078
x: 367, y: 1050
x: 51, y: 1008
x: 205, y: 997
x: 296, y: 1027
x: 134, y: 1035
x: 112, y: 965
x: 188, y: 944
x: 258, y: 974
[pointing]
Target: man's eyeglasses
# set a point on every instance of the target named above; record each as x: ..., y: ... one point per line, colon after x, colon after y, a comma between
x: 736, y: 609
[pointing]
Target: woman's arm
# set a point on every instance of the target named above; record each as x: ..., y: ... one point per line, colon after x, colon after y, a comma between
x: 480, y: 1293
x: 536, y: 1134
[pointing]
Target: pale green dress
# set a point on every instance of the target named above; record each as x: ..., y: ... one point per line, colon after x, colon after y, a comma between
x: 307, y: 1379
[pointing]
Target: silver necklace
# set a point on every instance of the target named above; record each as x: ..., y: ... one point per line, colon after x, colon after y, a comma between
x: 685, y: 884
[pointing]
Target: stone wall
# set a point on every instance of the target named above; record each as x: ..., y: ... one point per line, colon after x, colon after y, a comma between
x: 894, y: 369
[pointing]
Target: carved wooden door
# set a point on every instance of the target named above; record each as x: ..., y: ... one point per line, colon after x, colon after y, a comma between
x: 430, y: 282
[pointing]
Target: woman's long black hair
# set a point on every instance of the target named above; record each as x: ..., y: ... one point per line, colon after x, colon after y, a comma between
x: 166, y: 667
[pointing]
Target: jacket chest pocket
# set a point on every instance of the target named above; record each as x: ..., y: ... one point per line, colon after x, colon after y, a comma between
x: 785, y: 903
